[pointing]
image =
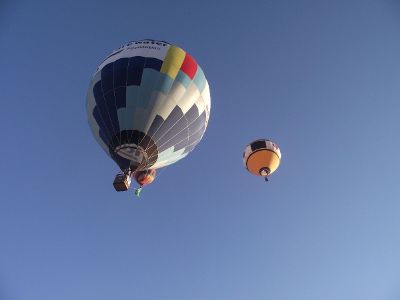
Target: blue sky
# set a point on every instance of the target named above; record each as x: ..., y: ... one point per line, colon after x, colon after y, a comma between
x: 321, y: 78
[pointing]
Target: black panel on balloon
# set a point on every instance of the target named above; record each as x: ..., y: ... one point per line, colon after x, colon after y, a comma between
x: 180, y: 139
x: 153, y: 63
x: 107, y: 78
x: 124, y: 137
x: 194, y: 136
x: 174, y: 135
x: 103, y: 125
x: 197, y: 135
x: 135, y: 70
x: 133, y: 136
x: 158, y: 121
x: 260, y: 144
x: 173, y: 117
x: 197, y: 124
x: 120, y: 72
x: 98, y: 92
x: 120, y: 97
x: 110, y: 103
x: 101, y: 110
x: 192, y: 114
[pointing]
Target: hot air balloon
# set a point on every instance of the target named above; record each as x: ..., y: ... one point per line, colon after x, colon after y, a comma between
x: 144, y: 178
x: 262, y: 157
x: 148, y: 105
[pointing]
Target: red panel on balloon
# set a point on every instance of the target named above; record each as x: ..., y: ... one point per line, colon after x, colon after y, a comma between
x: 189, y: 66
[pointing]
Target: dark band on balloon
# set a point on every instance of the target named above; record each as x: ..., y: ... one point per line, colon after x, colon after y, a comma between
x: 138, y: 138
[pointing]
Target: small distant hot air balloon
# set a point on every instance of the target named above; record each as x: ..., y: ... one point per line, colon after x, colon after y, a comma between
x: 144, y: 178
x: 148, y: 105
x: 262, y: 158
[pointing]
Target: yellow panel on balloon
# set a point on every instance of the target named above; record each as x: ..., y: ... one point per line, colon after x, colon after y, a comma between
x: 173, y: 61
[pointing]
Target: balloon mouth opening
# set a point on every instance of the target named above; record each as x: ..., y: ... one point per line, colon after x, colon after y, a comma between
x: 265, y: 171
x: 132, y: 152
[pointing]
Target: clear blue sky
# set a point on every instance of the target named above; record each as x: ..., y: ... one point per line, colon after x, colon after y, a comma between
x: 321, y: 78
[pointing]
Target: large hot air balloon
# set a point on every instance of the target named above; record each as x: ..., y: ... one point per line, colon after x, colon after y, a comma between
x: 148, y: 105
x: 262, y: 157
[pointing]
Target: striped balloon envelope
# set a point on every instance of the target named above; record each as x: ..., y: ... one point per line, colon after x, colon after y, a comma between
x: 148, y: 105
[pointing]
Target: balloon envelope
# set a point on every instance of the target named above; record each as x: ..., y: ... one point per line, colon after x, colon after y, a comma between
x: 262, y: 157
x: 145, y: 177
x: 148, y: 104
